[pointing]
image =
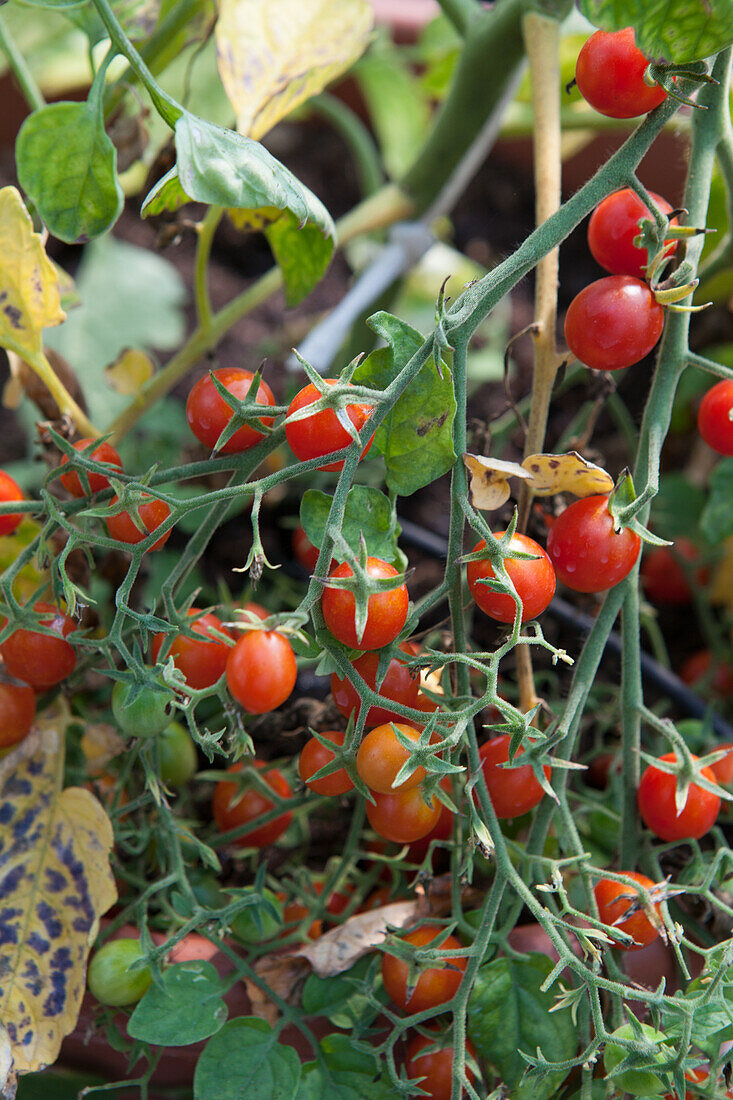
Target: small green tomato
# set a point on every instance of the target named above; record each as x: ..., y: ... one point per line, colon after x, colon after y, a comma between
x: 109, y: 977
x: 245, y: 926
x: 637, y: 1082
x: 177, y: 755
x: 143, y: 715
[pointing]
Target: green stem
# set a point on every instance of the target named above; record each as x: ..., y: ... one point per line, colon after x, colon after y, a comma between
x: 206, y: 230
x: 460, y: 12
x: 358, y: 138
x: 21, y: 72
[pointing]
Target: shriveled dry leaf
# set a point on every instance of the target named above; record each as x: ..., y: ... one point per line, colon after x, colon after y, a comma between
x: 340, y: 948
x: 489, y: 480
x: 29, y: 284
x: 100, y: 743
x: 273, y: 56
x: 568, y: 473
x: 24, y: 380
x: 55, y: 881
x: 284, y: 974
x: 130, y: 371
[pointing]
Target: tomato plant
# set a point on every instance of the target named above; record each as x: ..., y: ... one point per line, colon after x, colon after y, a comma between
x: 104, y: 454
x: 386, y: 611
x: 533, y: 579
x: 657, y: 806
x: 261, y: 670
x: 234, y: 807
x: 613, y: 323
x: 610, y: 75
x: 588, y: 553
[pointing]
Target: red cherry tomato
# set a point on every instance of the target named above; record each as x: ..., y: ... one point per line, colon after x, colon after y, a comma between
x: 322, y: 433
x: 104, y: 453
x: 208, y: 413
x: 17, y: 711
x: 513, y: 791
x: 436, y: 985
x: 700, y: 670
x: 534, y: 581
x: 315, y: 756
x: 723, y: 769
x: 41, y: 660
x: 613, y: 226
x: 436, y: 1067
x: 403, y: 816
x: 381, y: 756
x: 256, y: 609
x: 662, y: 576
x: 261, y: 670
x: 656, y: 800
x: 610, y: 75
x: 202, y: 660
x: 613, y: 322
x: 400, y: 685
x: 386, y: 611
x: 586, y: 551
x: 153, y: 513
x: 9, y: 491
x: 715, y: 418
x: 614, y: 899
x: 232, y: 809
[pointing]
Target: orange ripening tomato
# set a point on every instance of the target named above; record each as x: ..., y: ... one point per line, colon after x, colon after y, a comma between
x: 381, y: 756
x: 9, y: 491
x: 436, y: 985
x: 233, y: 808
x: 614, y: 899
x: 315, y: 756
x: 435, y: 1067
x: 153, y: 513
x: 261, y: 670
x: 403, y: 816
x: 104, y: 454
x: 202, y: 660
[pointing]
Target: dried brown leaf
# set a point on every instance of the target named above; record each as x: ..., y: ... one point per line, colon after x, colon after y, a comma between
x: 488, y: 480
x: 340, y: 948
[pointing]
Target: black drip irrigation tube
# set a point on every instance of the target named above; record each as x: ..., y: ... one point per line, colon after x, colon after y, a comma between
x: 437, y: 546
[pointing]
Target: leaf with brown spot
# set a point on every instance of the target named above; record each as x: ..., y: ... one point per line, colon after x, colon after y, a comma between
x: 566, y: 473
x: 55, y: 882
x: 340, y: 948
x: 489, y: 480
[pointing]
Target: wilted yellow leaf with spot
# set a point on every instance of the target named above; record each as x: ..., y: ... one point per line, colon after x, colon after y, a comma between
x: 29, y: 283
x: 568, y: 473
x: 273, y: 56
x: 489, y: 480
x: 254, y: 220
x: 55, y: 882
x: 130, y: 371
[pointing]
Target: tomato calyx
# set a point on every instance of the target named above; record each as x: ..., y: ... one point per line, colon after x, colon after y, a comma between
x: 658, y: 74
x: 362, y: 584
x: 688, y: 771
x: 624, y: 505
x: 632, y: 899
x: 336, y: 396
x: 244, y: 412
x: 343, y: 758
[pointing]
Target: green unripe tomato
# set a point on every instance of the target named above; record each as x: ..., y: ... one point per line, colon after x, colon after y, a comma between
x: 178, y: 760
x: 145, y: 715
x: 207, y: 891
x: 245, y: 926
x: 637, y: 1082
x: 109, y: 978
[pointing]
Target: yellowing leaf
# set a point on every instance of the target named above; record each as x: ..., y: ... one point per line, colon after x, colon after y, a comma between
x: 55, y: 882
x: 568, y: 473
x: 272, y: 56
x: 29, y: 283
x: 254, y: 220
x: 30, y: 578
x: 488, y: 480
x: 130, y: 371
x: 100, y: 743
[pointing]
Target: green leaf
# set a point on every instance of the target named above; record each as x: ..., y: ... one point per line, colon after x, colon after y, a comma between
x: 415, y: 438
x: 67, y: 167
x: 341, y: 999
x: 245, y: 1061
x: 508, y: 1013
x: 711, y: 1022
x: 368, y: 512
x: 677, y: 507
x: 716, y: 521
x: 60, y: 5
x: 345, y: 1073
x: 186, y: 1009
x: 302, y: 254
x: 679, y: 33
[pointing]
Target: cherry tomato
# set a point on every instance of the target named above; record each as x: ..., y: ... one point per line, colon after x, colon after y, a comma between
x: 715, y: 417
x: 613, y: 322
x: 613, y: 226
x: 723, y: 769
x: 17, y: 711
x: 261, y: 670
x: 403, y: 816
x: 104, y: 453
x: 533, y: 579
x: 109, y: 977
x: 315, y: 756
x: 436, y: 985
x: 259, y: 923
x: 9, y: 491
x: 178, y: 760
x: 233, y: 808
x: 295, y: 913
x: 610, y: 75
x: 700, y: 670
x: 637, y: 1082
x: 436, y: 1067
x: 442, y: 830
x: 386, y: 611
x: 256, y: 609
x: 586, y: 551
x: 381, y: 756
x: 513, y: 791
x: 208, y: 413
x: 321, y: 433
x: 400, y: 685
x: 614, y: 899
x: 142, y: 713
x: 656, y: 800
x: 41, y: 660
x: 152, y: 512
x: 202, y: 660
x: 663, y: 578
